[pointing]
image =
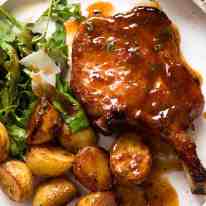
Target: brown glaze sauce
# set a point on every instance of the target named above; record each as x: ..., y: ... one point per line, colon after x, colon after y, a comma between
x: 164, y: 157
x: 159, y: 192
x: 158, y: 189
x: 71, y: 26
x: 197, y: 75
x: 100, y: 8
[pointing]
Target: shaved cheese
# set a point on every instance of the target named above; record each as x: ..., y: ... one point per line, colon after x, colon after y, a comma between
x: 44, y: 24
x: 43, y: 71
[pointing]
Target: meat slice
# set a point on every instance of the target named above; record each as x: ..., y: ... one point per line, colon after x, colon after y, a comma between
x: 128, y: 72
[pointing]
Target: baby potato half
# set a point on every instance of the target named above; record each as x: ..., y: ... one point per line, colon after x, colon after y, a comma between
x: 76, y: 141
x: 16, y: 180
x: 4, y: 143
x: 98, y: 199
x: 91, y: 168
x: 56, y: 192
x: 43, y: 124
x: 49, y: 161
x: 130, y: 159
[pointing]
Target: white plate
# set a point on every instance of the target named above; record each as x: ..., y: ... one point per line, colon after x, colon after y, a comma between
x: 201, y: 4
x: 192, y: 25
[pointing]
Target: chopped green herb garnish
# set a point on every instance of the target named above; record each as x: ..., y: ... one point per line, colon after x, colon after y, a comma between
x: 111, y: 45
x: 89, y: 27
x: 158, y: 47
x: 155, y: 67
x: 164, y: 36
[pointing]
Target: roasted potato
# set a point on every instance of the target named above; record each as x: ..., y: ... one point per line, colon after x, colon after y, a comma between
x: 91, y: 168
x: 130, y: 159
x: 56, y: 192
x: 49, y: 161
x: 4, y: 143
x: 16, y: 180
x: 98, y: 199
x: 44, y: 122
x: 75, y: 142
x: 130, y: 196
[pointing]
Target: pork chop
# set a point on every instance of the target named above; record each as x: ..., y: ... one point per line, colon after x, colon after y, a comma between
x: 128, y: 72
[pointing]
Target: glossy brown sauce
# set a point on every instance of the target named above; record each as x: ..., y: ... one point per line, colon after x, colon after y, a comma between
x: 100, y: 8
x: 158, y: 189
x: 160, y: 192
x: 71, y: 26
x: 164, y: 157
x: 197, y: 75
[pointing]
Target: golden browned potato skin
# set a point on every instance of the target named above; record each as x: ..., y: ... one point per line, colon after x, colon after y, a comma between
x: 4, y: 143
x: 130, y: 159
x: 91, y: 168
x: 49, y: 161
x: 131, y: 196
x: 44, y: 122
x: 98, y: 199
x: 16, y: 180
x: 75, y: 142
x: 56, y: 192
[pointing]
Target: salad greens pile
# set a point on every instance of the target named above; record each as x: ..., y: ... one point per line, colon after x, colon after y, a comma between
x: 58, y: 12
x: 17, y: 98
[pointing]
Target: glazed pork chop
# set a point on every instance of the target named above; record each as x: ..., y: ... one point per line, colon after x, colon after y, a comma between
x: 128, y: 72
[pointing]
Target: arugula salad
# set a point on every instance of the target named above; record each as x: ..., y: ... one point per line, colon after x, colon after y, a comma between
x: 34, y: 64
